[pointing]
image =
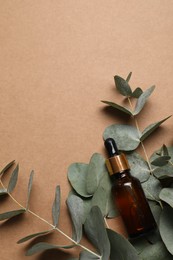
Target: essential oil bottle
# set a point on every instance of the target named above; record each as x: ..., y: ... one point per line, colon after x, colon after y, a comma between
x: 128, y: 194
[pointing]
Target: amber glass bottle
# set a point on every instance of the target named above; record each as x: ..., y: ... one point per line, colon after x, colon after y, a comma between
x: 128, y: 194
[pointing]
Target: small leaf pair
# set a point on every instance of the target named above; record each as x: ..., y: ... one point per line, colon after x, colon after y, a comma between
x: 124, y: 88
x: 162, y: 158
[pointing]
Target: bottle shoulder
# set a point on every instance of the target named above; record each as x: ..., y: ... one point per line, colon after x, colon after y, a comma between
x: 125, y: 178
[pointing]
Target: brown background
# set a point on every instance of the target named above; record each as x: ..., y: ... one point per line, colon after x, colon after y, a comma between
x: 57, y: 61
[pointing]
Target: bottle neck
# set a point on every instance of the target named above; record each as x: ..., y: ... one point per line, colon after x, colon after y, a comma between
x: 120, y: 175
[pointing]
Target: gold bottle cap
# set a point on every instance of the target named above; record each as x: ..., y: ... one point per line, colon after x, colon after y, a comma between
x: 117, y: 163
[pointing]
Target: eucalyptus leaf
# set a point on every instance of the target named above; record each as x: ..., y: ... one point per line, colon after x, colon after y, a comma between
x: 163, y: 172
x: 159, y: 152
x: 91, y: 179
x: 161, y: 161
x: 129, y: 77
x: 84, y: 255
x: 13, y: 180
x: 106, y: 184
x: 11, y: 214
x: 112, y: 210
x: 86, y: 204
x: 42, y: 246
x: 99, y: 199
x: 121, y: 248
x: 156, y: 210
x: 139, y: 244
x: 77, y: 174
x: 7, y: 167
x: 166, y: 227
x: 73, y: 258
x: 139, y: 167
x: 100, y: 168
x: 122, y: 86
x: 29, y: 188
x: 137, y: 93
x: 152, y: 188
x: 142, y: 100
x: 56, y: 206
x: 151, y: 128
x: 118, y: 107
x: 76, y: 209
x: 164, y: 150
x: 3, y: 192
x: 24, y: 239
x: 127, y: 137
x: 166, y: 195
x: 96, y: 232
x: 154, y: 236
x: 157, y: 251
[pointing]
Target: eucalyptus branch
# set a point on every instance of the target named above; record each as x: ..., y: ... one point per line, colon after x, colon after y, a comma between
x: 142, y: 144
x: 48, y: 223
x: 89, y: 202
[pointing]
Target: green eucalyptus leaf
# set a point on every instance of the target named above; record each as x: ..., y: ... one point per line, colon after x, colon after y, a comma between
x: 127, y: 137
x: 95, y: 230
x: 73, y: 259
x: 166, y: 195
x: 157, y: 251
x: 112, y: 210
x: 13, y: 180
x: 142, y: 100
x: 42, y: 246
x: 100, y: 199
x: 154, y: 235
x: 3, y: 192
x: 11, y: 214
x: 91, y: 178
x: 122, y: 86
x: 137, y: 93
x: 24, y: 239
x: 151, y: 128
x: 56, y: 206
x: 166, y: 227
x: 129, y: 77
x: 118, y: 107
x: 152, y: 188
x: 121, y: 248
x: 139, y: 244
x: 76, y: 209
x: 161, y: 161
x: 87, y: 207
x: 86, y: 204
x: 100, y: 168
x: 164, y: 150
x: 84, y: 255
x: 139, y: 167
x: 29, y: 189
x: 163, y: 172
x: 156, y: 210
x: 106, y: 184
x: 7, y: 167
x: 77, y: 174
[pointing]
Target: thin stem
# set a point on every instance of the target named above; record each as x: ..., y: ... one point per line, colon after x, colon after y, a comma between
x: 48, y: 223
x: 142, y: 144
